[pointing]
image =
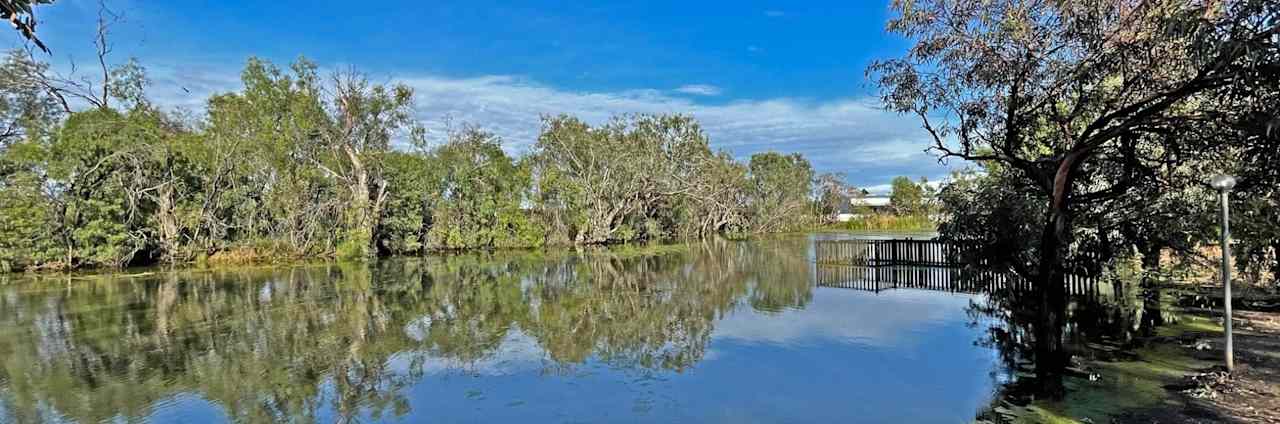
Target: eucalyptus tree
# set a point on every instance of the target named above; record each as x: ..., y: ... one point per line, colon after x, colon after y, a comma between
x: 27, y: 116
x: 676, y: 152
x: 1059, y: 92
x: 1256, y: 221
x: 832, y: 195
x: 480, y: 194
x: 73, y: 154
x: 363, y: 118
x: 1256, y: 160
x: 408, y: 215
x: 607, y: 183
x: 717, y: 198
x: 778, y: 192
x: 257, y: 157
x: 907, y: 197
x: 26, y: 108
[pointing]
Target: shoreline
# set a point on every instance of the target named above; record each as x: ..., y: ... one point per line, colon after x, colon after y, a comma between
x: 1173, y: 376
x: 286, y: 261
x: 650, y: 248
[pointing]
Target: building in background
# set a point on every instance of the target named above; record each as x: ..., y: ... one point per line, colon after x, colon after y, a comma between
x: 864, y: 205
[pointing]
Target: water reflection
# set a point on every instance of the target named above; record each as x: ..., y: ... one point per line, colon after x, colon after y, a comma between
x: 722, y: 331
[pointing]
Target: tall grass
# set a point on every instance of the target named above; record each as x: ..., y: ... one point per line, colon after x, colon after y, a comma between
x: 887, y: 222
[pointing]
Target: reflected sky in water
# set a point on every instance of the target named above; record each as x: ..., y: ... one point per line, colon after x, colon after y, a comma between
x: 714, y: 332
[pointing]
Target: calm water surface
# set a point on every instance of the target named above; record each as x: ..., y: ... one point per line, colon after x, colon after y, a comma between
x: 718, y: 332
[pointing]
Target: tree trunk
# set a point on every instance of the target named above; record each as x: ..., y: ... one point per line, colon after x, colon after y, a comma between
x: 1152, y: 310
x: 1150, y: 256
x: 428, y: 221
x: 1050, y: 353
x: 1275, y: 263
x: 168, y: 222
x: 362, y: 211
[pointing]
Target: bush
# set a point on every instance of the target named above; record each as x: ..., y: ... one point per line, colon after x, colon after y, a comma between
x: 253, y: 252
x: 356, y: 246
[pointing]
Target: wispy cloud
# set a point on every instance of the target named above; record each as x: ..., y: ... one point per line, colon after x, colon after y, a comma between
x: 700, y: 90
x: 775, y: 13
x: 852, y: 136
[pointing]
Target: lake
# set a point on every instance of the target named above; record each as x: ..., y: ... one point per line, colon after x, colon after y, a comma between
x: 719, y: 331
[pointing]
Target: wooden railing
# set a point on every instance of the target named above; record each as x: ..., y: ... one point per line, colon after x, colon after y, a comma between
x: 876, y: 265
x: 887, y: 252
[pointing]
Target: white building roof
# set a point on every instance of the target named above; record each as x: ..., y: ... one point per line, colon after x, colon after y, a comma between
x: 873, y: 201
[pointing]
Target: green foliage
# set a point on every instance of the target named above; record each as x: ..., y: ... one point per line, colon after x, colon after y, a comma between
x: 655, y: 177
x: 779, y: 192
x: 910, y: 198
x: 480, y: 193
x: 25, y: 109
x: 989, y: 212
x: 355, y: 245
x: 24, y: 222
x: 292, y: 165
x: 407, y: 217
x: 878, y: 222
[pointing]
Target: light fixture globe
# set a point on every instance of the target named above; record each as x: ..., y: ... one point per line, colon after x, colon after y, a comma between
x: 1223, y: 182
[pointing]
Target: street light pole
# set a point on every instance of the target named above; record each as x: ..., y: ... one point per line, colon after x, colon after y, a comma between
x: 1224, y: 184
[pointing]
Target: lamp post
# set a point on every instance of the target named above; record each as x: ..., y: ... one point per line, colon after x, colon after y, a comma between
x: 1224, y: 184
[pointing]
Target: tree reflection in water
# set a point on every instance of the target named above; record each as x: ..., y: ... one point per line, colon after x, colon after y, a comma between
x: 1104, y: 317
x: 295, y: 344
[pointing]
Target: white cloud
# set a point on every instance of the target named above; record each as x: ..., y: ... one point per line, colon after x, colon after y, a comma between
x: 700, y: 90
x: 851, y: 135
x: 775, y: 13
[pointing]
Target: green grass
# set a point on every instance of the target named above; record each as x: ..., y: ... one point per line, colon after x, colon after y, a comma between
x: 891, y: 223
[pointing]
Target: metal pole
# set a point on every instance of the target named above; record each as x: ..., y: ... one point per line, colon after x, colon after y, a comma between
x: 1226, y: 275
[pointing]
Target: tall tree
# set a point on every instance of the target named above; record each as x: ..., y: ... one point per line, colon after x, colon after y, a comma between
x: 833, y: 195
x: 363, y: 119
x: 608, y: 180
x: 779, y: 193
x: 907, y: 197
x: 478, y: 195
x: 257, y: 157
x: 1061, y: 91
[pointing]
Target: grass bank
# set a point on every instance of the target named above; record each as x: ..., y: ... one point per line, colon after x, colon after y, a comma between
x: 913, y: 223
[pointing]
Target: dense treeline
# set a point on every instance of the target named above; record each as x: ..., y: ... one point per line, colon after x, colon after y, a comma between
x: 295, y: 164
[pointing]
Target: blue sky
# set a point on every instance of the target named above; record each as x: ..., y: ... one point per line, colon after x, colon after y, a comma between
x: 758, y: 75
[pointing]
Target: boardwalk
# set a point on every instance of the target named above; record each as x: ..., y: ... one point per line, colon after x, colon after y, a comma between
x: 931, y: 253
x: 876, y: 265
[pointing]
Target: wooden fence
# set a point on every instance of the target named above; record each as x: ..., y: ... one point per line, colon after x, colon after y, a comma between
x: 876, y: 265
x: 887, y: 252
